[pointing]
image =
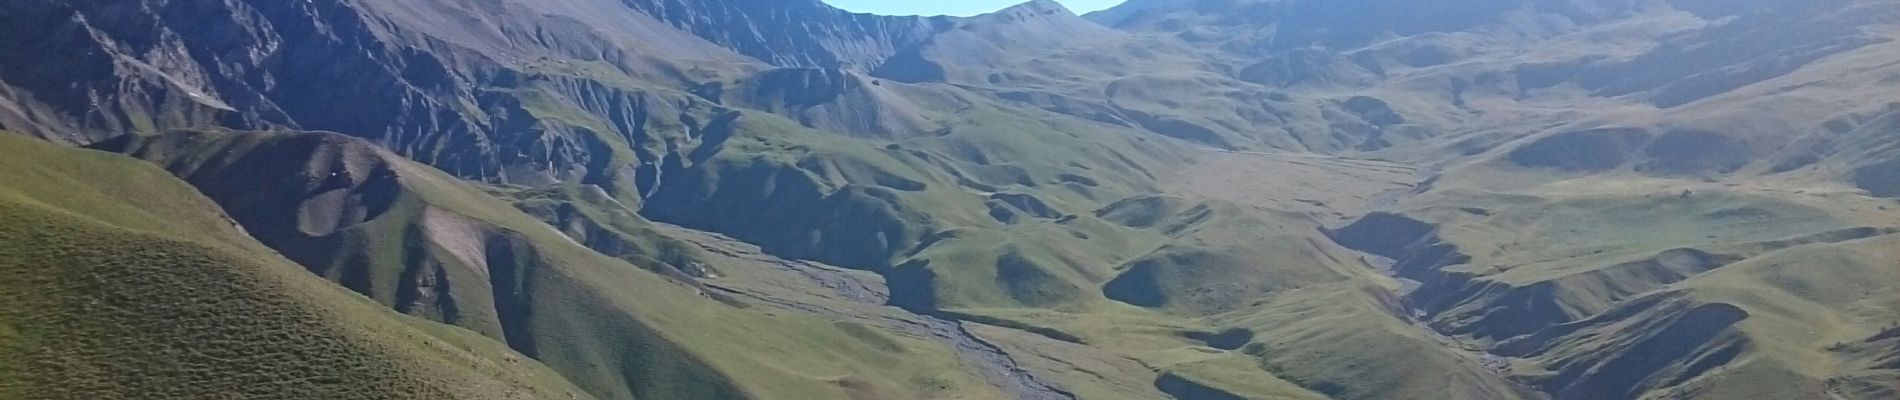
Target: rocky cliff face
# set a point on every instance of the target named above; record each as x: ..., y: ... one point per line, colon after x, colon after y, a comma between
x: 796, y: 33
x: 449, y: 84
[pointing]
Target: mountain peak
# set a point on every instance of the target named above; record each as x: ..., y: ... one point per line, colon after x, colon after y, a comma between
x: 1115, y: 15
x: 1034, y: 7
x: 1034, y: 24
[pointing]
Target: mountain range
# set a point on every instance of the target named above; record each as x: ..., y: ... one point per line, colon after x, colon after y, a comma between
x: 778, y: 199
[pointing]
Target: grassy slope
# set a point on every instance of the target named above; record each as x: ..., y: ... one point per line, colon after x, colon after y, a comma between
x: 1806, y: 305
x: 1547, y: 249
x: 616, y: 329
x: 765, y: 355
x: 1036, y: 272
x: 1592, y: 249
x: 1047, y: 268
x: 124, y: 282
x: 1575, y: 225
x: 1241, y: 299
x: 591, y: 216
x: 806, y: 194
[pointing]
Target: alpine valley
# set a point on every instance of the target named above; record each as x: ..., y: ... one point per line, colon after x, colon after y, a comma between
x: 778, y: 199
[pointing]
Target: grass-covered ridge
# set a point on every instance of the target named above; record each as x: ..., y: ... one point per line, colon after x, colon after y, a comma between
x: 121, y: 282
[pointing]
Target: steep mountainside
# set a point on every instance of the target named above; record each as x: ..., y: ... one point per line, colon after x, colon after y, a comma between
x: 1196, y: 199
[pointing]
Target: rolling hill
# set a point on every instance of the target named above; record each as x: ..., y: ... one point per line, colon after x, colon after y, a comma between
x: 777, y: 199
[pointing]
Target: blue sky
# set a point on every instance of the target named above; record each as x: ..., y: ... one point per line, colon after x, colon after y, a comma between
x: 955, y: 7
